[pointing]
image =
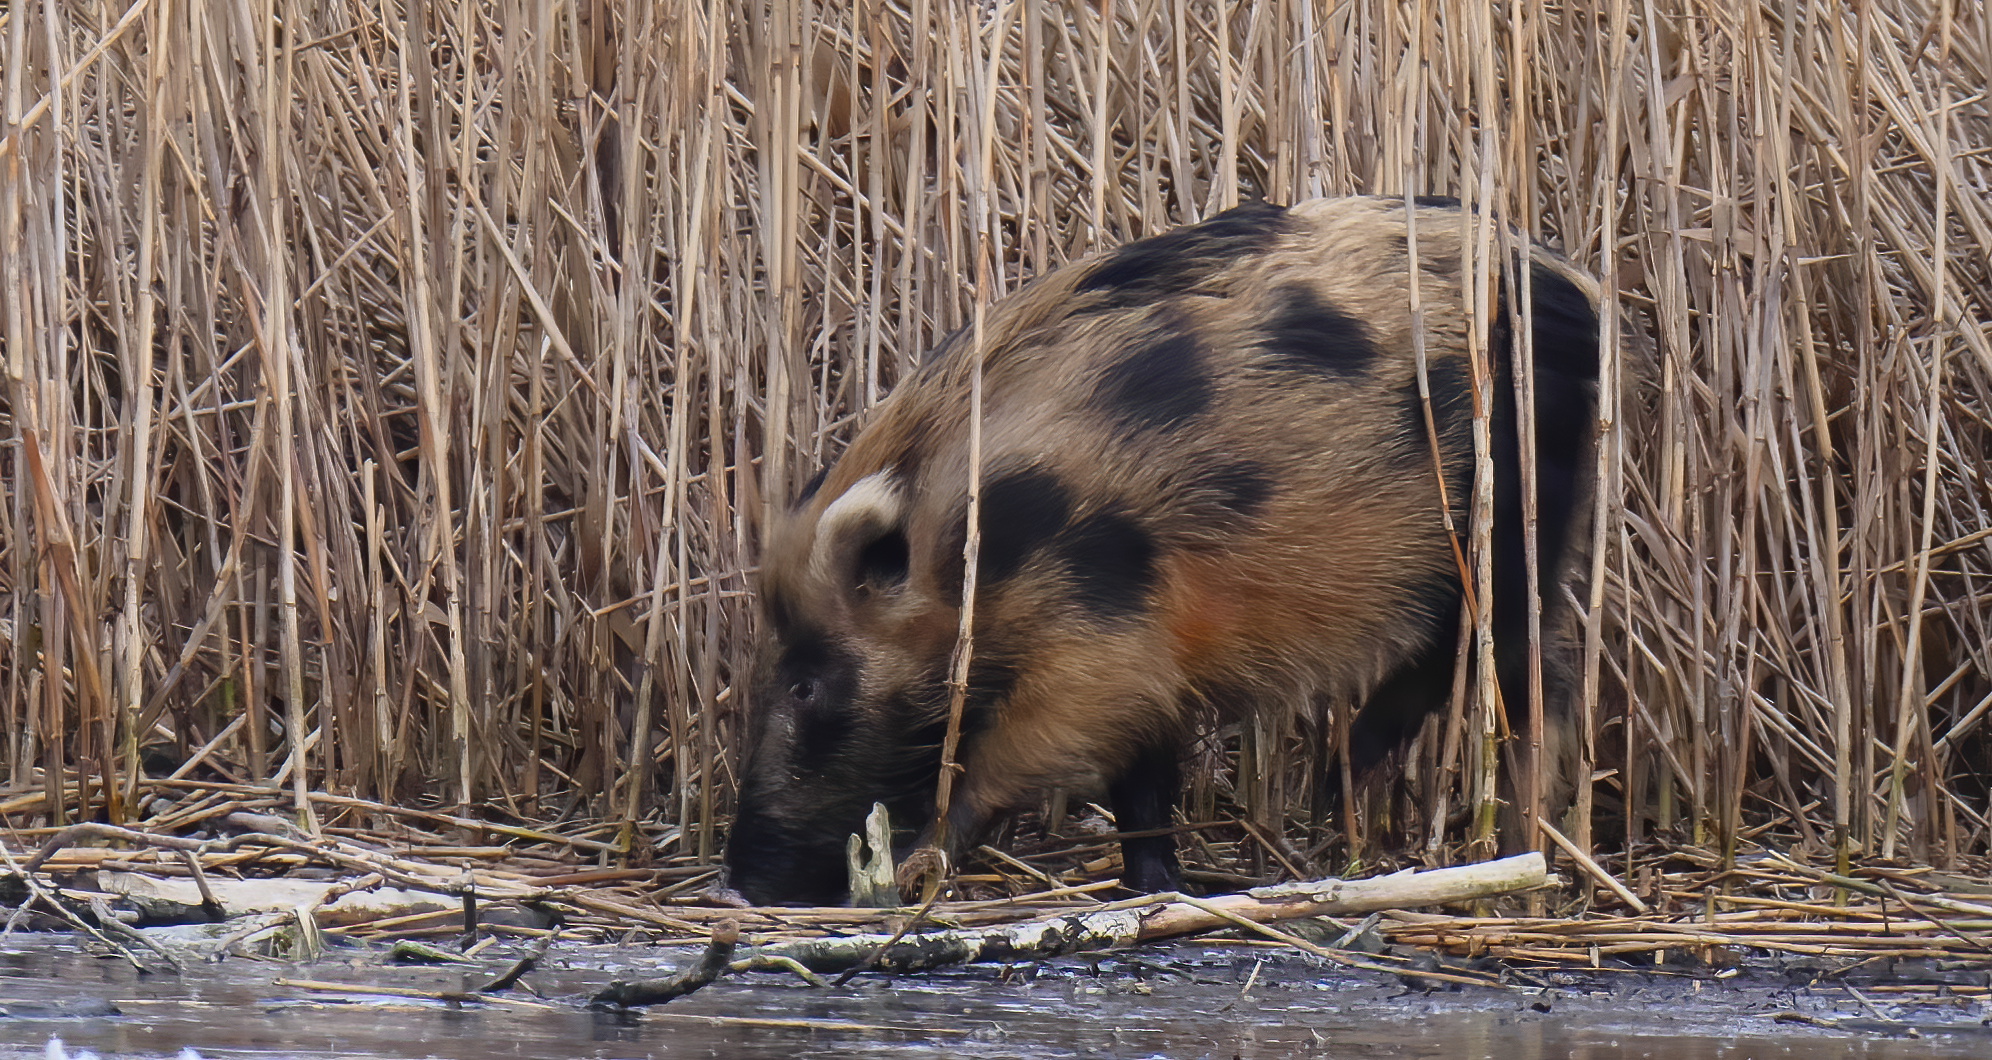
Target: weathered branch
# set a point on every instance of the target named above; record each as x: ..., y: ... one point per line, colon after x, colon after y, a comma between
x: 520, y: 967
x: 718, y: 955
x: 1165, y: 916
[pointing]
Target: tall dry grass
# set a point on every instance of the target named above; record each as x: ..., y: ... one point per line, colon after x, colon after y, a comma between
x: 393, y: 394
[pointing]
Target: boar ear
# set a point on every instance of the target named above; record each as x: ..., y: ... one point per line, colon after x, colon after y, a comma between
x: 861, y: 537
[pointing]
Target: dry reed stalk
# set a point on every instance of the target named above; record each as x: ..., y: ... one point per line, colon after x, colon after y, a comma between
x: 393, y: 401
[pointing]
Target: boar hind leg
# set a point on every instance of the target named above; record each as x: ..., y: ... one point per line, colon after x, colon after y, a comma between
x: 1143, y: 798
x: 1397, y: 708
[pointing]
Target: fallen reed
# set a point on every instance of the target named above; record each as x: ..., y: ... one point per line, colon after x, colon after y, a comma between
x: 394, y: 395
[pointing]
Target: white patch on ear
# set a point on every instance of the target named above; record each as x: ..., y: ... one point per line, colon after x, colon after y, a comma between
x: 872, y: 501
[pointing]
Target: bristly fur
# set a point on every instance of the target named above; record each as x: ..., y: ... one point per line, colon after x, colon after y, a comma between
x: 1206, y: 465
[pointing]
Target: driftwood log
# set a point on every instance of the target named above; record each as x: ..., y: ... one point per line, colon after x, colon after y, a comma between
x: 1162, y: 916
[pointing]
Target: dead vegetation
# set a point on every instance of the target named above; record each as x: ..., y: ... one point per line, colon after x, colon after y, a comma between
x: 393, y: 397
x: 272, y: 891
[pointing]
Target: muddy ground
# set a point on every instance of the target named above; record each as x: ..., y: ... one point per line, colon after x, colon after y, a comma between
x: 1186, y: 1000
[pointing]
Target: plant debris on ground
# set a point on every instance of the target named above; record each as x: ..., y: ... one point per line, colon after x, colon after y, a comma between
x: 241, y: 867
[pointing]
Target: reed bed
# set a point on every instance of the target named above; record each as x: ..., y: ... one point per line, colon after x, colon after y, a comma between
x: 395, y: 395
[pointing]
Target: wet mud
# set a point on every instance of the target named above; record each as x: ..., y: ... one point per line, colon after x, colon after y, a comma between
x: 1182, y: 1001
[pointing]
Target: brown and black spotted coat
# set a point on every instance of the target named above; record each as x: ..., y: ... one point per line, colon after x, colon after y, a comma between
x: 1208, y: 489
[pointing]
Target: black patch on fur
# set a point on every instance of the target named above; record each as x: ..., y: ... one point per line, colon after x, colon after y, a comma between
x: 1146, y: 270
x: 1239, y: 487
x: 1110, y: 561
x: 1021, y: 511
x: 991, y: 679
x: 1160, y: 386
x: 1306, y: 334
x: 1450, y: 380
x: 1566, y: 326
x: 1448, y: 202
x: 1565, y: 361
x: 809, y: 490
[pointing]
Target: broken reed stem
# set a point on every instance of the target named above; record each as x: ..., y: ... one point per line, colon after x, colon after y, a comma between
x: 964, y: 650
x: 379, y: 417
x: 1591, y: 868
x: 1481, y: 276
x: 1908, y: 718
x: 138, y: 380
x: 985, y: 250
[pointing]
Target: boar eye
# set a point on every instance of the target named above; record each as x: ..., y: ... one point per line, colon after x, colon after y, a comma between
x: 802, y: 691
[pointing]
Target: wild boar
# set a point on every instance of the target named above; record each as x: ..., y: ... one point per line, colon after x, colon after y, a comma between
x: 1209, y: 487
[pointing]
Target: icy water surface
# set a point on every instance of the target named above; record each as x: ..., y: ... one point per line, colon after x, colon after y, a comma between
x: 1185, y: 1001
